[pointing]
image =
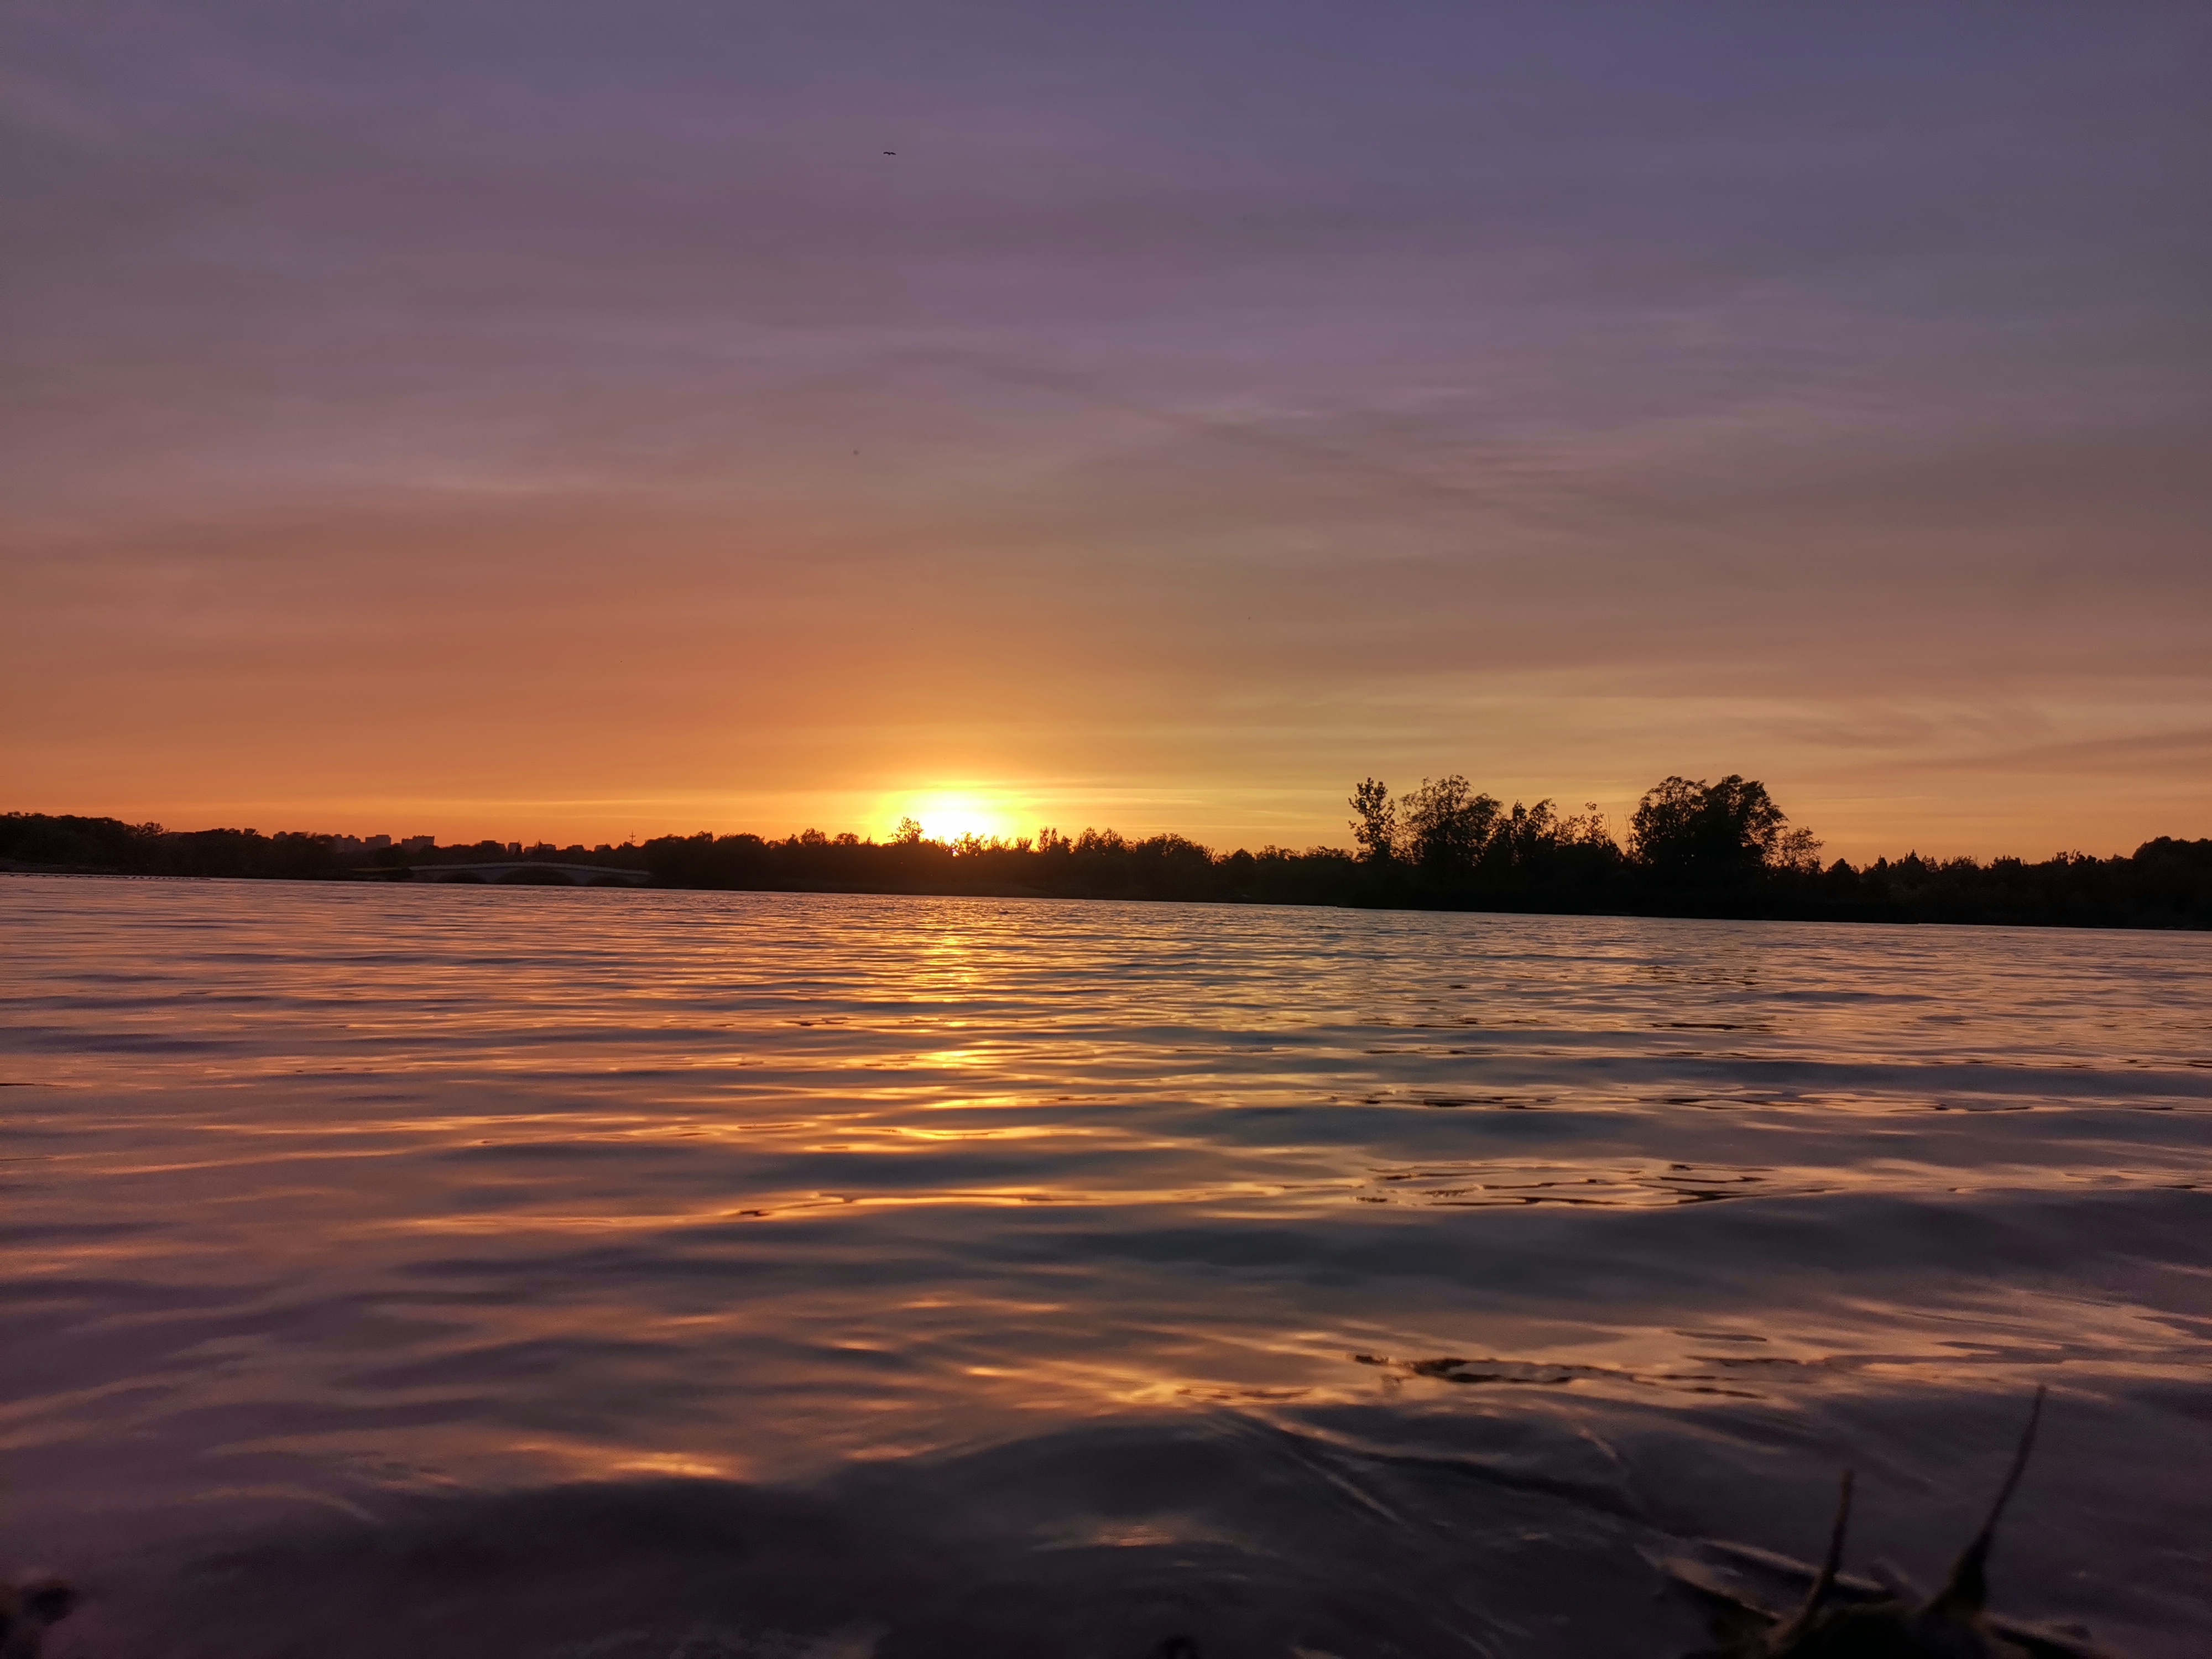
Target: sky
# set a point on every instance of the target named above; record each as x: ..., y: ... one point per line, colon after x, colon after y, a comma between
x: 544, y: 419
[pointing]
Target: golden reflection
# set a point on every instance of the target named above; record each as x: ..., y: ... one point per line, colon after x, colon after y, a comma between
x: 1034, y: 1166
x: 956, y: 1059
x: 687, y: 1464
x: 582, y: 1460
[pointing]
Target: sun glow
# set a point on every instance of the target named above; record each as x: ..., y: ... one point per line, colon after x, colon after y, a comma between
x: 949, y: 814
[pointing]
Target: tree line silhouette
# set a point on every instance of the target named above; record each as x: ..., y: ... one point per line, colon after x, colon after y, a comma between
x: 1691, y: 848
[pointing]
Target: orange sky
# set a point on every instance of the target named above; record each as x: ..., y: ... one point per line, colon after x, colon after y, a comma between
x: 411, y: 437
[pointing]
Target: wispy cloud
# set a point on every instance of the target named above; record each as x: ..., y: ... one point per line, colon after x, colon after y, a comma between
x: 1196, y: 409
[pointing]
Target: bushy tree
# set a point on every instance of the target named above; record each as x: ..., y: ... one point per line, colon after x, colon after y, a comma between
x: 1528, y: 834
x: 1690, y: 833
x: 1446, y: 825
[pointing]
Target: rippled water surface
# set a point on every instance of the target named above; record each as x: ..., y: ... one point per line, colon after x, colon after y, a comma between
x: 395, y: 1270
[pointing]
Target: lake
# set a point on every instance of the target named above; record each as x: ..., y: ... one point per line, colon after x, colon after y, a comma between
x: 396, y: 1270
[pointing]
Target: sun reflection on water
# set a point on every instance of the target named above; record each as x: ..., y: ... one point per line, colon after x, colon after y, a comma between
x: 746, y: 1185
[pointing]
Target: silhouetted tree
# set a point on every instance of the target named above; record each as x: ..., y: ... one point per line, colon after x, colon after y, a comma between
x: 1375, y: 829
x: 1531, y: 834
x: 1688, y: 833
x: 1446, y: 825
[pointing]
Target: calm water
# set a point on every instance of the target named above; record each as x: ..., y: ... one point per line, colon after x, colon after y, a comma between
x: 617, y: 1274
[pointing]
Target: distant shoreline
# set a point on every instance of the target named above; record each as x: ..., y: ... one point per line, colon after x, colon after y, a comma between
x: 2166, y: 884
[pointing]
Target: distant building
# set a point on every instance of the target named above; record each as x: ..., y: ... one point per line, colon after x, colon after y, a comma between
x: 375, y: 843
x: 418, y: 843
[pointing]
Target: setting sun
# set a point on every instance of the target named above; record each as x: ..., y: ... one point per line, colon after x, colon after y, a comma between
x: 947, y: 815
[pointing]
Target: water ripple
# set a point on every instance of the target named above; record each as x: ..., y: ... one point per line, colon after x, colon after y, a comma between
x: 322, y: 1198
